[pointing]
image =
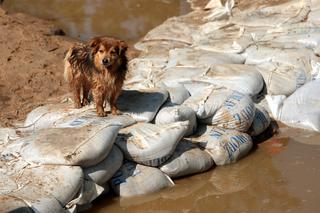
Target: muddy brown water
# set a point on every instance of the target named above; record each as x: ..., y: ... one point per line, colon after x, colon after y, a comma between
x: 281, y: 175
x: 83, y: 19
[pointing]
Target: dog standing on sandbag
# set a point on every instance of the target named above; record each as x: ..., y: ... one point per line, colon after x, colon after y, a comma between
x: 99, y: 65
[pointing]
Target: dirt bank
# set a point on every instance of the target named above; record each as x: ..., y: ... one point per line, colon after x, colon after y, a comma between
x: 31, y: 64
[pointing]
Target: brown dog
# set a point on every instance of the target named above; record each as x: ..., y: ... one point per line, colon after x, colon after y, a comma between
x: 100, y: 66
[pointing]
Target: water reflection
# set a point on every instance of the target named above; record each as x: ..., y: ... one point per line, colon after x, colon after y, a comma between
x: 126, y: 19
x: 254, y: 184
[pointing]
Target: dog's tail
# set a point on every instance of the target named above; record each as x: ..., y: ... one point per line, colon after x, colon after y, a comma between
x: 67, y: 66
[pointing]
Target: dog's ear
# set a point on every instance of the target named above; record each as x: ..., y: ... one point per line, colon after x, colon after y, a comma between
x: 94, y: 43
x: 123, y: 46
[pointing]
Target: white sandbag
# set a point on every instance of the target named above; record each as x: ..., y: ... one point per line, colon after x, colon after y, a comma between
x: 273, y: 15
x: 226, y: 146
x: 301, y: 109
x: 243, y: 78
x: 187, y: 159
x: 142, y: 105
x: 222, y: 36
x: 65, y: 115
x: 300, y: 35
x: 299, y: 58
x: 173, y: 29
x: 103, y: 171
x: 43, y: 188
x: 207, y: 100
x: 237, y: 112
x: 172, y: 114
x: 281, y: 79
x: 150, y: 144
x: 172, y: 76
x: 261, y: 121
x: 177, y: 93
x: 188, y: 57
x: 84, y: 146
x: 135, y: 179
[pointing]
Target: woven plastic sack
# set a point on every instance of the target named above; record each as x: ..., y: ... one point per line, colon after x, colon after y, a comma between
x: 226, y: 146
x: 187, y: 159
x: 171, y: 114
x: 83, y: 146
x: 237, y: 113
x: 261, y: 121
x: 135, y: 179
x: 150, y: 144
x: 142, y: 105
x: 103, y: 171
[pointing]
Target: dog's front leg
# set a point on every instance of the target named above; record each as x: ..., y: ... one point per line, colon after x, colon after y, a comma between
x: 99, y: 99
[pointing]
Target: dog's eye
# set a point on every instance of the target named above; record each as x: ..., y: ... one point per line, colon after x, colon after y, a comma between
x: 100, y: 51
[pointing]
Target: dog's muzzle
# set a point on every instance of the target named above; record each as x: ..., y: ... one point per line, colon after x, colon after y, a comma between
x: 106, y: 62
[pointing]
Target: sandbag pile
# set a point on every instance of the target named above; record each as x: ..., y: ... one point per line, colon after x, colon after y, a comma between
x: 203, y: 85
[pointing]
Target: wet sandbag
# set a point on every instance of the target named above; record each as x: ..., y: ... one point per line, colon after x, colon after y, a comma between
x: 239, y: 77
x: 42, y: 188
x: 225, y: 146
x: 150, y: 144
x: 172, y: 114
x: 142, y: 105
x: 84, y: 146
x: 64, y: 114
x: 301, y: 109
x: 187, y: 159
x: 261, y: 121
x: 188, y: 57
x: 134, y: 179
x: 237, y: 112
x: 104, y: 170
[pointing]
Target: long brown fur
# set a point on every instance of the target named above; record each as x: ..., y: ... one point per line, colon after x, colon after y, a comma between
x: 99, y: 66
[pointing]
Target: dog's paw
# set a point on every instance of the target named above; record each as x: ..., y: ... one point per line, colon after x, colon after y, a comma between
x: 116, y: 112
x: 85, y: 102
x: 77, y: 105
x: 102, y: 114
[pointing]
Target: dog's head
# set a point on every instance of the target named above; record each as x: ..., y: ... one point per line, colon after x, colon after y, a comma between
x: 107, y: 52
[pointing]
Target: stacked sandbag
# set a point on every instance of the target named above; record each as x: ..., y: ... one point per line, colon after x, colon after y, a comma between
x: 300, y: 109
x: 177, y: 94
x: 223, y: 108
x: 172, y: 114
x: 38, y: 189
x: 189, y: 57
x: 134, y: 179
x: 150, y: 144
x: 64, y: 115
x: 103, y: 171
x: 82, y: 146
x: 143, y: 104
x: 261, y: 121
x: 224, y: 145
x: 187, y: 159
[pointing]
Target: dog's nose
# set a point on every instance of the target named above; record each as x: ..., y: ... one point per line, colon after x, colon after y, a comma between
x: 105, y: 61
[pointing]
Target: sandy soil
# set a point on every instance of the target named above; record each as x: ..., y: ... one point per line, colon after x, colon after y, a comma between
x: 31, y: 65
